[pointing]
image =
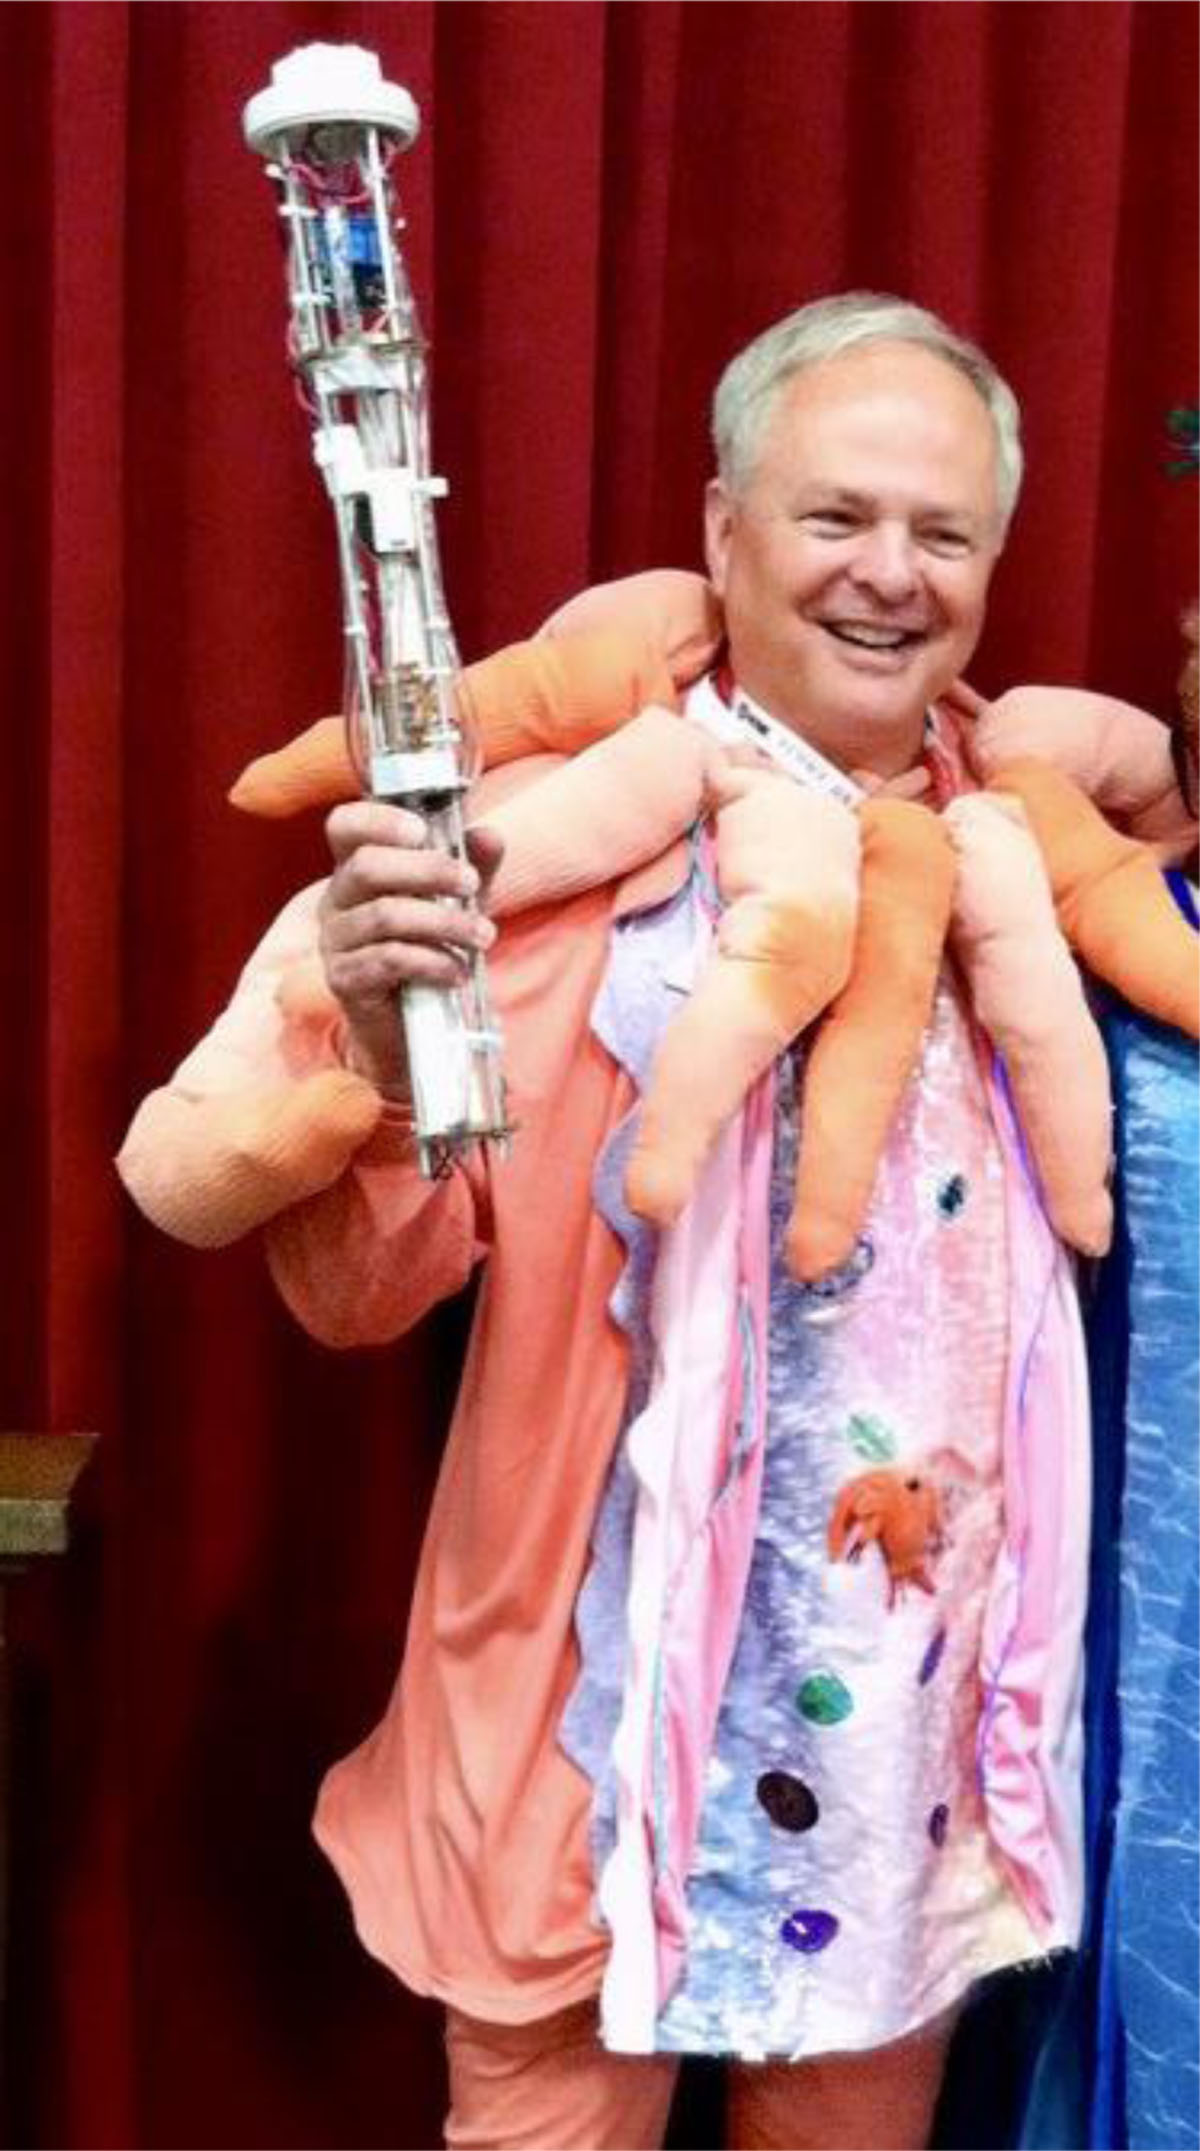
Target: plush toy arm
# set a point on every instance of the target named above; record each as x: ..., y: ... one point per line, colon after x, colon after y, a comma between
x: 209, y: 1170
x: 866, y: 1049
x: 1028, y: 995
x: 533, y: 697
x: 1112, y: 902
x: 261, y: 1113
x: 610, y: 809
x: 671, y: 610
x: 560, y: 695
x: 1119, y: 755
x: 787, y: 862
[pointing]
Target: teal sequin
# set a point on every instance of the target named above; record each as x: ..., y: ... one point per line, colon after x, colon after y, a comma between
x: 824, y: 1699
x: 870, y: 1437
x: 951, y: 1195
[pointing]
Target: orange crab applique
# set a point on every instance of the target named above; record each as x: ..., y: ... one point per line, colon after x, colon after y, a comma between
x: 899, y: 1512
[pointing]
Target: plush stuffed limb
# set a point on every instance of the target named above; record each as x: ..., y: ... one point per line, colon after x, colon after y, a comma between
x: 534, y: 697
x: 1029, y: 997
x: 672, y: 610
x: 561, y: 692
x: 787, y: 865
x: 600, y: 814
x: 867, y: 1047
x: 1120, y: 756
x: 1112, y: 903
x: 209, y: 1170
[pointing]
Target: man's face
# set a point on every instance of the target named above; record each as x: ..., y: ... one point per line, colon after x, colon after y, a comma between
x: 854, y: 562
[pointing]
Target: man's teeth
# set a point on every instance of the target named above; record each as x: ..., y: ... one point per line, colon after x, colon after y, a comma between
x: 871, y: 638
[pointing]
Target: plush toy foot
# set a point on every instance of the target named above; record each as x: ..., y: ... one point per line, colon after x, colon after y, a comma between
x: 238, y: 1158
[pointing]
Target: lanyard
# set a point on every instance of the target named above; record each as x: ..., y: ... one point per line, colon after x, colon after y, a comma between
x: 743, y: 721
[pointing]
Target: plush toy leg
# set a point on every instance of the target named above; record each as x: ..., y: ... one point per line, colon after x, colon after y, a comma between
x: 557, y: 695
x: 607, y: 810
x: 788, y: 861
x: 866, y: 1049
x: 312, y: 770
x: 1029, y: 997
x: 675, y: 611
x: 1112, y: 903
x: 561, y: 695
x: 208, y: 1170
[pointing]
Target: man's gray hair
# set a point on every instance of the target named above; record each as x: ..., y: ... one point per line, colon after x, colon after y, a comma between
x: 747, y: 389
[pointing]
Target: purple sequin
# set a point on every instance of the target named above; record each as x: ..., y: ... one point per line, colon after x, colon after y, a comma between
x: 933, y: 1658
x: 939, y: 1823
x: 809, y: 1931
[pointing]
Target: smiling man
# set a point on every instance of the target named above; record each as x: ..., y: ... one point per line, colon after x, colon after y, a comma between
x: 865, y: 487
x: 887, y: 1809
x: 890, y: 1803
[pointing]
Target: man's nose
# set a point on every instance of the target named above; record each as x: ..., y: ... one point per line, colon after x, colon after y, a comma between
x: 885, y: 561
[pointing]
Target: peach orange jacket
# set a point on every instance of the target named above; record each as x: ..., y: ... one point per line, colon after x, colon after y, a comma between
x: 459, y: 1828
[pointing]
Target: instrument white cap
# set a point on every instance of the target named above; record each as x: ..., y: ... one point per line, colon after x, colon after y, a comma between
x: 321, y: 83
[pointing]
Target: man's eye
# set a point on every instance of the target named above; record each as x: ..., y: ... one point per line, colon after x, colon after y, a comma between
x: 830, y: 522
x: 951, y: 544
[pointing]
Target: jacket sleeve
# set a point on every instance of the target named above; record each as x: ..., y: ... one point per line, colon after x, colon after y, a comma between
x: 361, y: 1262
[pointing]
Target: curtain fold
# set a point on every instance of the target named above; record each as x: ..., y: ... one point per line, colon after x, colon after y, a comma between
x: 606, y: 199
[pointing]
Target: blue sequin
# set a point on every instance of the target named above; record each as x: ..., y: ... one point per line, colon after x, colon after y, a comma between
x: 939, y: 1823
x: 809, y: 1931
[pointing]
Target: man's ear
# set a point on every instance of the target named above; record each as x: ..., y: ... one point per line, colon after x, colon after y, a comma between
x: 718, y: 529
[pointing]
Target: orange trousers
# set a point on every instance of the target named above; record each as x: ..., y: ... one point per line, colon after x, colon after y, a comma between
x: 551, y: 2086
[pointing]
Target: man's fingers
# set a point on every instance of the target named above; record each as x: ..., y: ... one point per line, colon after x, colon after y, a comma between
x: 372, y: 821
x: 399, y: 919
x: 366, y: 979
x: 393, y: 913
x: 376, y: 870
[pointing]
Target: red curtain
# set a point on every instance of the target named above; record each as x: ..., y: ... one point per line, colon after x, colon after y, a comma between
x: 605, y: 201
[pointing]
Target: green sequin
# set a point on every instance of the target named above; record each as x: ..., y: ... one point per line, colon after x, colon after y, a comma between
x: 870, y: 1437
x: 824, y: 1699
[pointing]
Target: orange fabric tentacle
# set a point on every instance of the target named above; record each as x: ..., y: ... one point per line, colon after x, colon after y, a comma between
x: 867, y: 1047
x: 1112, y: 902
x: 788, y: 861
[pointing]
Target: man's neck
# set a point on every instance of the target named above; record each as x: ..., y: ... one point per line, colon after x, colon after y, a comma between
x: 879, y: 752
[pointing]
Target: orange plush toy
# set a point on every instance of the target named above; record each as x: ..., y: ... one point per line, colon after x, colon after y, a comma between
x: 782, y: 949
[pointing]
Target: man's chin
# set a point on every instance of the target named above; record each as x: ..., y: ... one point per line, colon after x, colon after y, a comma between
x: 866, y: 706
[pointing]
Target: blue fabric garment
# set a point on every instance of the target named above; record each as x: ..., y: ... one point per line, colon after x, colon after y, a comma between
x: 1148, y: 1986
x: 1118, y: 2066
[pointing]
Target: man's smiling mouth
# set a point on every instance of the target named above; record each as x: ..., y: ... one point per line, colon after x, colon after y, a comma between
x: 871, y: 635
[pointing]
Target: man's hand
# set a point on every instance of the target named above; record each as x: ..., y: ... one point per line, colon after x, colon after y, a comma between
x: 389, y: 919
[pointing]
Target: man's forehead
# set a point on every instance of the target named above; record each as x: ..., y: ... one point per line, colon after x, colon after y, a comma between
x: 886, y: 405
x: 884, y: 364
